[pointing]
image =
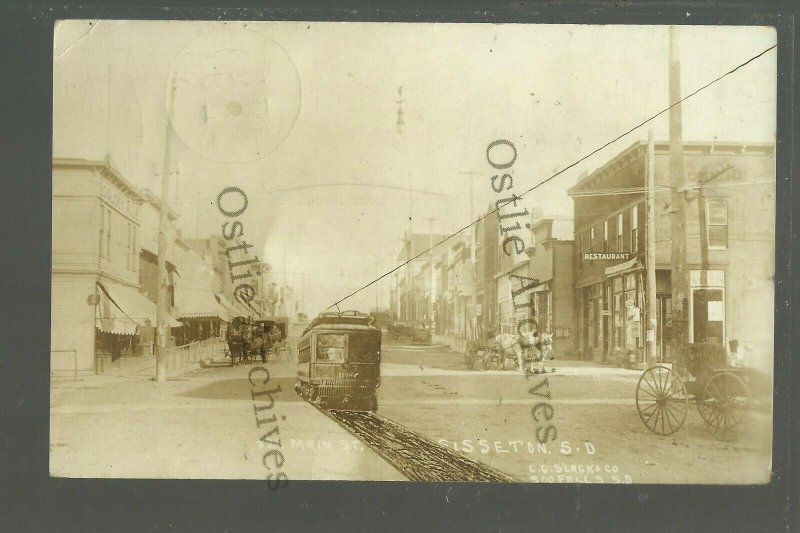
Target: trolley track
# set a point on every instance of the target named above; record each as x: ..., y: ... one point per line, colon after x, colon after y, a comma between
x: 415, y: 456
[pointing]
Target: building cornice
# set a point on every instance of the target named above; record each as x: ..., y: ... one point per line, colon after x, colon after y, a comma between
x: 107, y: 169
x: 638, y: 150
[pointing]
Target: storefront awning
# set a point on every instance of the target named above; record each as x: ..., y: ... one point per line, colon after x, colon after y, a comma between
x: 195, y: 302
x: 121, y: 310
x: 234, y: 309
x: 627, y: 266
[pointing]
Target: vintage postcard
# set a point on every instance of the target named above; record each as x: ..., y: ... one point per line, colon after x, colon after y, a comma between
x: 413, y: 251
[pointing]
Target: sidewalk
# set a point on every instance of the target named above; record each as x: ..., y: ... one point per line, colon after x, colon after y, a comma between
x: 564, y: 367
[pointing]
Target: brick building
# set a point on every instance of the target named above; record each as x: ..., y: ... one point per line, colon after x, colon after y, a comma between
x: 730, y: 195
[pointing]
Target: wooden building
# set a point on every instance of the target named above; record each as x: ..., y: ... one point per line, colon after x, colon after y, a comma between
x: 96, y: 305
x: 550, y: 261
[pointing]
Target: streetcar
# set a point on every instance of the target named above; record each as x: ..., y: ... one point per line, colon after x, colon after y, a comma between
x: 338, y: 362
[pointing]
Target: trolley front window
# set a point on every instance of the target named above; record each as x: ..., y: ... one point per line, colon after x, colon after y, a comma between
x: 331, y: 347
x: 365, y: 347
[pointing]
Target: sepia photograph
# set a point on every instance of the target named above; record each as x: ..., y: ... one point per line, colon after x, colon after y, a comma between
x: 393, y: 251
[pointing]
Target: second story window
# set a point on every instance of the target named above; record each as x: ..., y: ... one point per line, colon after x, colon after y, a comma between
x: 605, y: 235
x: 591, y: 240
x: 132, y: 247
x: 634, y: 229
x: 105, y: 232
x: 619, y: 233
x: 717, y: 225
x: 102, y: 231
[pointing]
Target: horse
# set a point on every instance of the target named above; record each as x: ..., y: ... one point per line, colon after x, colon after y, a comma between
x: 522, y: 344
x: 264, y: 342
x: 508, y: 344
x: 239, y: 337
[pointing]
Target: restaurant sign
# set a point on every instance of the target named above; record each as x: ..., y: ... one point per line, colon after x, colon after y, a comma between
x: 624, y: 256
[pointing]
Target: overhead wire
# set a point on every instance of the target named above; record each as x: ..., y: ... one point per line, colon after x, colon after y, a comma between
x: 560, y: 172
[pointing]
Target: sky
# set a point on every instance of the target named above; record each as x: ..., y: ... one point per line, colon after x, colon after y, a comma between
x: 303, y: 117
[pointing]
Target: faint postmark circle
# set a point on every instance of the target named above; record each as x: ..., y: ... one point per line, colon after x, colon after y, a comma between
x: 237, y: 95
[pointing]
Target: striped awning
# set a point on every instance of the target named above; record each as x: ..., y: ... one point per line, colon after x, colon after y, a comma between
x: 235, y: 308
x: 198, y: 302
x: 122, y: 310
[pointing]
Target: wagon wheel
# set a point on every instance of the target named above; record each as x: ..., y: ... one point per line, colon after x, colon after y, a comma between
x: 661, y: 400
x: 724, y: 404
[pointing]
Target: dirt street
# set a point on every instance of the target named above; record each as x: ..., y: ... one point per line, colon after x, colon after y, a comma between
x: 203, y: 424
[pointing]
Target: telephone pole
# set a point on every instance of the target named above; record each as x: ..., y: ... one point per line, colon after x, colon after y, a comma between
x: 472, y: 318
x: 651, y: 251
x: 162, y: 306
x: 430, y: 272
x: 377, y: 284
x: 679, y: 278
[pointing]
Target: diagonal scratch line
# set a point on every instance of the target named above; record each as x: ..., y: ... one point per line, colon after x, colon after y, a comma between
x: 571, y: 165
x: 92, y: 26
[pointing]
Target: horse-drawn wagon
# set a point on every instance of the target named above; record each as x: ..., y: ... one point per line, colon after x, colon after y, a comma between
x: 722, y: 392
x: 526, y: 351
x: 248, y: 338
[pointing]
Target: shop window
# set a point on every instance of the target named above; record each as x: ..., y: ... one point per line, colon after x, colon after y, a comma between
x: 717, y: 225
x: 619, y: 319
x: 708, y: 316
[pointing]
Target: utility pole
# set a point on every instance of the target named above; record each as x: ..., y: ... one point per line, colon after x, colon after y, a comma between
x: 679, y: 278
x: 651, y: 251
x: 472, y: 318
x: 162, y: 306
x: 377, y: 273
x: 430, y: 272
x: 284, y: 291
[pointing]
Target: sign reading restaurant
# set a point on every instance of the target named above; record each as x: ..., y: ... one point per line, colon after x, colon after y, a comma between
x: 607, y: 256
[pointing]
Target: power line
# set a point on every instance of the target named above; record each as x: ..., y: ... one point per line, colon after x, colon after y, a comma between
x: 571, y: 165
